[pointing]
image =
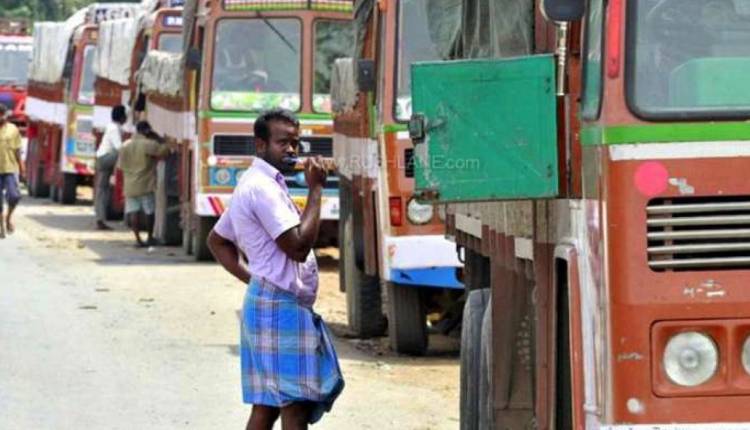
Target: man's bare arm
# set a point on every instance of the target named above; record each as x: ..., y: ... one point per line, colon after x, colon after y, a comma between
x: 21, y: 167
x: 227, y: 254
x: 298, y: 241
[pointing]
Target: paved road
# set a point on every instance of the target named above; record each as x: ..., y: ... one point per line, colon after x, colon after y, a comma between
x: 95, y: 334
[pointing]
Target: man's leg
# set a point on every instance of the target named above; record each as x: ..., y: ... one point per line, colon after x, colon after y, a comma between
x: 13, y: 195
x: 103, y: 193
x: 262, y: 418
x: 149, y: 209
x: 295, y: 416
x: 135, y: 225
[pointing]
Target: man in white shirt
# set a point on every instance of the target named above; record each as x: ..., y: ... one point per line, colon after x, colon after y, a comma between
x: 106, y: 160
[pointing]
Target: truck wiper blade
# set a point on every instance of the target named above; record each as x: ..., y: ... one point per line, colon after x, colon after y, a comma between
x: 278, y: 33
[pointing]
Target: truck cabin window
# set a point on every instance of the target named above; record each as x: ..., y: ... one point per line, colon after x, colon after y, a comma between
x: 14, y: 63
x: 689, y: 58
x: 333, y: 39
x: 86, y: 87
x: 415, y: 44
x: 170, y: 42
x: 257, y: 64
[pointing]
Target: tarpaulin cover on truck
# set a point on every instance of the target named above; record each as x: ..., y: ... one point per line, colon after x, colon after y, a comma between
x: 467, y: 28
x: 52, y: 39
x: 114, y: 48
x: 161, y: 72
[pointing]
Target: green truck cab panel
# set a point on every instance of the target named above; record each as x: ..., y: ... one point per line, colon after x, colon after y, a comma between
x: 485, y: 129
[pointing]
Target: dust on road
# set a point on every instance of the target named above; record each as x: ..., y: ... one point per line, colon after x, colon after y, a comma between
x: 97, y: 334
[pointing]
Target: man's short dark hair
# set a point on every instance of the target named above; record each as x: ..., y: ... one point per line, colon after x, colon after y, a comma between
x: 119, y: 114
x: 143, y: 127
x: 262, y: 123
x: 3, y: 109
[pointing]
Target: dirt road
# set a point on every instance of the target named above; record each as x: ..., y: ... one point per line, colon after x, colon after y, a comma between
x: 96, y: 334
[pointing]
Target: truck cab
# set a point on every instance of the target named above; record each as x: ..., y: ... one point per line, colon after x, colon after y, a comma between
x: 255, y: 55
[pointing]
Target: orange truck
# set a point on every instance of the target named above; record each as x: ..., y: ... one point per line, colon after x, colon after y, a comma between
x: 60, y: 104
x: 592, y: 156
x: 245, y: 56
x: 395, y: 261
x: 15, y: 54
x: 123, y: 45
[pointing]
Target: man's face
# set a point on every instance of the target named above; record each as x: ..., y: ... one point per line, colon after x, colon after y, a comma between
x: 283, y: 142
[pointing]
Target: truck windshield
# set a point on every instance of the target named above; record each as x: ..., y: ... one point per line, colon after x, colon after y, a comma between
x: 689, y: 58
x: 14, y: 63
x: 170, y: 42
x: 86, y: 87
x: 257, y: 64
x: 333, y: 39
x: 415, y: 45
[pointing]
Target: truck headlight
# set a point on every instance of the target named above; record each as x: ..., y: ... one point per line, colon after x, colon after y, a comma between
x: 690, y: 358
x: 746, y: 355
x: 419, y: 213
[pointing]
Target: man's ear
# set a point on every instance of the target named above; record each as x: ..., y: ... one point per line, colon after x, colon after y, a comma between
x: 260, y: 146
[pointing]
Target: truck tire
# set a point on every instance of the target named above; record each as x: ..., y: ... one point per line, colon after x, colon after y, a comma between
x: 68, y: 189
x: 54, y: 193
x: 407, y: 321
x: 486, y: 416
x: 471, y: 348
x: 37, y: 187
x: 200, y: 236
x: 364, y: 302
x: 364, y: 305
x: 187, y: 241
x: 172, y: 231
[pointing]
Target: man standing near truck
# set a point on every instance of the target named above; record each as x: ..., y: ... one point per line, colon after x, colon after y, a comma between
x: 289, y: 365
x: 138, y: 159
x: 10, y: 168
x: 106, y: 160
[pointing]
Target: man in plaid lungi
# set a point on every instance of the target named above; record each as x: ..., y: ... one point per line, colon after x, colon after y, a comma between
x: 289, y: 365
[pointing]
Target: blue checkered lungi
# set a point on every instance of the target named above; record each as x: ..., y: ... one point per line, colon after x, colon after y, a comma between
x: 287, y: 352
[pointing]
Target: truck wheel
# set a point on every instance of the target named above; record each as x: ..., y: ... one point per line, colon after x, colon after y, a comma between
x: 364, y: 306
x: 200, y: 236
x: 172, y: 231
x: 187, y: 241
x: 37, y: 187
x: 68, y: 189
x: 407, y: 321
x: 54, y: 193
x: 364, y: 303
x: 471, y: 348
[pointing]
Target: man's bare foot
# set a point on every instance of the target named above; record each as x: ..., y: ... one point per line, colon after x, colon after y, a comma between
x: 10, y: 226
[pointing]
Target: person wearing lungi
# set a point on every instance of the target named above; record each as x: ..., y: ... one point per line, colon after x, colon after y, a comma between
x: 289, y: 365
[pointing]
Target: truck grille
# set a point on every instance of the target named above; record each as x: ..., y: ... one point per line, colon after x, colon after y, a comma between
x: 699, y: 233
x: 237, y: 145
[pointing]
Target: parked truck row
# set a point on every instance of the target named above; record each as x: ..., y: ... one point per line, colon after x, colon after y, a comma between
x: 199, y: 71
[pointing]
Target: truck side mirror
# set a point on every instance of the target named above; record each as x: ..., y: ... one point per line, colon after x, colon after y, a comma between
x: 366, y: 75
x: 193, y: 59
x: 417, y: 129
x: 564, y: 10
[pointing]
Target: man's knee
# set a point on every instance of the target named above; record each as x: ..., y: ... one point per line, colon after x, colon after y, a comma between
x: 296, y: 414
x: 264, y: 416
